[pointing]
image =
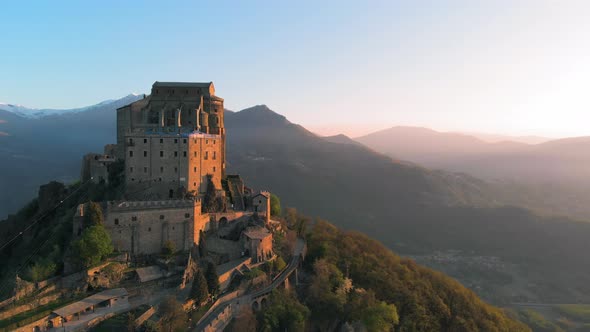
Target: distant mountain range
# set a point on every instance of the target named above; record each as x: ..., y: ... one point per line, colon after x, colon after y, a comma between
x: 37, y: 113
x: 552, y: 177
x: 411, y: 209
x: 560, y: 160
x: 495, y: 138
x: 38, y: 146
x: 415, y: 210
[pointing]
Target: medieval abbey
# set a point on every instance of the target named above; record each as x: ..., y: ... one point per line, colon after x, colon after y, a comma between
x: 176, y: 188
x: 174, y: 215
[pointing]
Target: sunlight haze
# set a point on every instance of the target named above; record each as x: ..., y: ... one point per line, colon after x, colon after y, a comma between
x: 505, y: 67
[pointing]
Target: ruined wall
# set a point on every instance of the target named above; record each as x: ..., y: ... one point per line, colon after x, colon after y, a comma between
x: 95, y: 166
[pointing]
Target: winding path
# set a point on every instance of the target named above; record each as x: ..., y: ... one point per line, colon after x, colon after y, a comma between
x: 217, y: 318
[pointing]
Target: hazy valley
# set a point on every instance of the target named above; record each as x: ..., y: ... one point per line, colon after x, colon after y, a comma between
x: 414, y: 210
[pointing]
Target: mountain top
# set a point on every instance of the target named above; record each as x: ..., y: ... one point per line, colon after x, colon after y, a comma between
x: 37, y: 113
x: 260, y: 113
x: 341, y: 139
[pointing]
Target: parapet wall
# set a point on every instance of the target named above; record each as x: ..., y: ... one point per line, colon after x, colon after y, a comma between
x: 124, y: 206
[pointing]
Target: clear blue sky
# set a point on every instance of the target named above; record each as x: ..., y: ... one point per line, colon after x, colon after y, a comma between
x: 513, y: 67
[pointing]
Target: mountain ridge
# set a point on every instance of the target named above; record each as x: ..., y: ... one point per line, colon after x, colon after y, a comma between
x: 411, y: 209
x: 39, y: 113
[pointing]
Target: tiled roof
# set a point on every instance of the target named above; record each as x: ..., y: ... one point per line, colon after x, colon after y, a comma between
x: 90, y: 301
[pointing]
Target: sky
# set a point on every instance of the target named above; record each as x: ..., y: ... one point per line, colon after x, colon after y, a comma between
x: 506, y: 67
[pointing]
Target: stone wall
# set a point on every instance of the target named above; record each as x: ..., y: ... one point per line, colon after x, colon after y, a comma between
x: 205, y: 158
x: 261, y: 204
x: 165, y: 165
x: 6, y: 313
x: 38, y: 325
x: 7, y: 302
x: 95, y: 167
x: 144, y: 227
x: 145, y: 316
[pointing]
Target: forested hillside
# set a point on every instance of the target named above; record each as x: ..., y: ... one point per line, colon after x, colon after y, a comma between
x: 353, y: 281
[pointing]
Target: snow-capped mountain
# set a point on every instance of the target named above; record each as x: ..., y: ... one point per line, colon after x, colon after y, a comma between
x: 39, y: 145
x: 37, y: 113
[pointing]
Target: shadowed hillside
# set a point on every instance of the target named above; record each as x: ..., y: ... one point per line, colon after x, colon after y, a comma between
x: 411, y: 209
x: 451, y: 221
x: 552, y: 177
x: 273, y: 153
x: 38, y: 150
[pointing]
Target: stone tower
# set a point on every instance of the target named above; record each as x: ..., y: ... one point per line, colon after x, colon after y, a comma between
x: 172, y: 141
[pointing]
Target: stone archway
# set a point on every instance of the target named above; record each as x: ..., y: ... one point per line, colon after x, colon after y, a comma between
x: 264, y: 303
x: 255, y: 306
x: 223, y: 222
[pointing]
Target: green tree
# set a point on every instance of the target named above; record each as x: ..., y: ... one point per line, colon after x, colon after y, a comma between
x: 199, y: 291
x: 380, y: 317
x: 426, y: 300
x: 212, y: 278
x: 93, y: 246
x: 327, y: 294
x: 285, y: 313
x: 375, y: 315
x: 42, y: 269
x: 279, y: 264
x: 172, y: 314
x: 93, y: 214
x: 275, y: 205
x: 169, y: 249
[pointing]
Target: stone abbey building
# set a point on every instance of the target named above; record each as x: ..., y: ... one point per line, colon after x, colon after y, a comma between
x: 172, y: 140
x: 172, y: 143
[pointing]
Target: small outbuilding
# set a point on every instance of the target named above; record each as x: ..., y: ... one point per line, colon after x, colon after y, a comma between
x: 257, y: 242
x: 73, y: 311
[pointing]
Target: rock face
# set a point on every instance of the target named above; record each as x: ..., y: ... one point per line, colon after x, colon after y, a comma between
x: 51, y: 194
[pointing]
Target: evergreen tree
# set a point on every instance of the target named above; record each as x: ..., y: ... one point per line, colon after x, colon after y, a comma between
x: 212, y: 278
x: 199, y: 288
x: 202, y: 244
x: 285, y: 312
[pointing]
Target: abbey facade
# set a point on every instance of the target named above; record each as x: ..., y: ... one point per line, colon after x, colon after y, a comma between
x: 172, y: 143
